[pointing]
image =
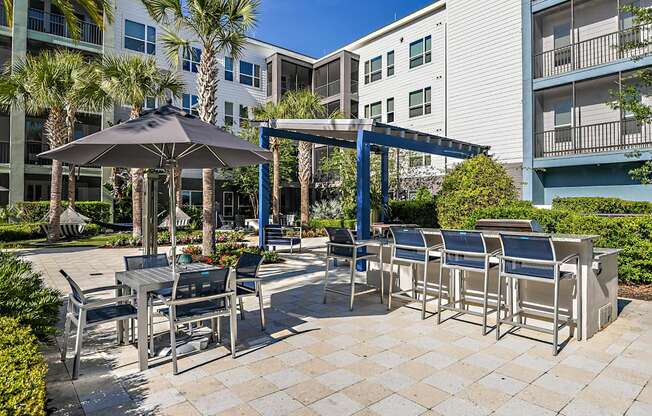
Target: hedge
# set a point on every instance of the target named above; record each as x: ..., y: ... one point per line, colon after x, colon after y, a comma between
x: 600, y: 205
x: 24, y: 296
x: 414, y: 211
x: 35, y: 211
x: 18, y: 232
x: 22, y: 371
x: 335, y: 223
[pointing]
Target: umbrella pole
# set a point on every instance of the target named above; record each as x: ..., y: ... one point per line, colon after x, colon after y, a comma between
x: 173, y: 217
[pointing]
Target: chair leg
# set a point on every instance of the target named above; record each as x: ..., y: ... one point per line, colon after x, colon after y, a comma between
x: 218, y: 323
x: 499, y: 302
x: 66, y: 336
x: 81, y: 322
x: 555, y: 319
x: 262, y: 307
x: 173, y: 345
x: 580, y: 301
x: 424, y: 290
x: 241, y: 303
x: 353, y: 264
x: 151, y: 328
x: 439, y: 290
x: 326, y: 278
x: 391, y: 283
x: 233, y: 327
x: 414, y: 281
x: 484, y: 299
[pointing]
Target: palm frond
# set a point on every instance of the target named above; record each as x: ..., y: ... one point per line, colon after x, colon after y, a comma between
x: 173, y: 45
x: 8, y: 5
x: 72, y: 21
x: 164, y: 11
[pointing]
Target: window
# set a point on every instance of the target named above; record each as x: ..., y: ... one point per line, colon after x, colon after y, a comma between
x: 420, y: 52
x: 228, y: 68
x: 355, y: 74
x: 373, y: 70
x: 244, y: 115
x: 269, y: 79
x: 327, y: 79
x: 420, y: 102
x: 332, y: 107
x: 390, y: 110
x: 419, y: 159
x: 140, y: 37
x: 228, y: 113
x: 629, y: 123
x: 562, y: 54
x: 191, y: 58
x: 630, y: 34
x: 150, y: 103
x: 354, y: 109
x: 249, y: 74
x: 373, y: 111
x: 194, y: 198
x: 295, y: 77
x: 390, y: 63
x: 227, y: 205
x: 189, y: 104
x: 563, y: 121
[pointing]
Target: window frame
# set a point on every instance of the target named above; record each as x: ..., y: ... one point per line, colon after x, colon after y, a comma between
x: 254, y: 76
x: 391, y: 67
x: 418, y: 160
x: 228, y: 118
x: 369, y: 73
x: 189, y: 55
x: 425, y: 56
x: 563, y: 131
x: 390, y: 114
x: 243, y: 121
x: 145, y: 40
x: 229, y: 74
x: 369, y: 107
x: 193, y: 101
x: 426, y: 104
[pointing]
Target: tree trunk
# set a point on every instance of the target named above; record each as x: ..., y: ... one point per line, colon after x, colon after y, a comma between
x: 207, y: 78
x: 72, y: 186
x: 276, y: 184
x: 56, y: 133
x: 305, y: 171
x: 136, y: 188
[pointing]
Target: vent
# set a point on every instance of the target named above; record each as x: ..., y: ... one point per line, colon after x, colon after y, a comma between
x: 604, y: 316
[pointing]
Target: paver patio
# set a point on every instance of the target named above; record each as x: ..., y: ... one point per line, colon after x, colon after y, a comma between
x: 317, y: 359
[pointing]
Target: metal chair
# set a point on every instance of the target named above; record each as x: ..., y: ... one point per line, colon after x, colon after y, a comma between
x: 149, y: 261
x: 248, y: 283
x: 85, y: 312
x: 275, y: 235
x: 199, y: 296
x: 410, y: 248
x: 343, y: 246
x: 465, y: 251
x: 533, y: 258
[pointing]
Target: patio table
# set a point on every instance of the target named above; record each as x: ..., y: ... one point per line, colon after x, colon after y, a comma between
x: 145, y: 281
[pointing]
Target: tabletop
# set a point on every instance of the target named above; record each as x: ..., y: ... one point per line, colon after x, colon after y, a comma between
x: 156, y: 277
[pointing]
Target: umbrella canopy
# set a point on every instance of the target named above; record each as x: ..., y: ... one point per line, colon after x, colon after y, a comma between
x: 167, y: 134
x: 3, y: 189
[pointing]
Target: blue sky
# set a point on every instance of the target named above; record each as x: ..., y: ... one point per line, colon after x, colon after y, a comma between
x: 316, y: 27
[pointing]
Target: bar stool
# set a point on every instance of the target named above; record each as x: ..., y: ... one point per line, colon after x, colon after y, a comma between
x: 410, y: 248
x: 342, y: 245
x: 465, y: 251
x: 533, y: 258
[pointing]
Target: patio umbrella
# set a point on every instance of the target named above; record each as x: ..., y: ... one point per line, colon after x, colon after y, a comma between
x: 3, y: 189
x: 165, y: 138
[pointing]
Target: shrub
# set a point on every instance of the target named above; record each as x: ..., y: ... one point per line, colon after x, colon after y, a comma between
x: 599, y: 205
x: 326, y: 209
x: 35, y: 211
x: 195, y: 214
x: 478, y: 182
x: 422, y: 212
x: 22, y: 371
x: 18, y: 232
x: 24, y: 296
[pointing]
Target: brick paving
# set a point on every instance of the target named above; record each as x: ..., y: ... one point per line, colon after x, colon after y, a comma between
x: 317, y: 359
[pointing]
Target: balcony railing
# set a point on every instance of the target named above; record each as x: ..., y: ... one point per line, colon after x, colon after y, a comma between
x: 593, y: 138
x: 32, y: 149
x: 593, y: 52
x: 4, y: 152
x: 3, y: 17
x: 55, y: 24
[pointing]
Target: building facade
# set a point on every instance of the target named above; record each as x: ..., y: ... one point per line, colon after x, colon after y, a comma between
x: 575, y: 142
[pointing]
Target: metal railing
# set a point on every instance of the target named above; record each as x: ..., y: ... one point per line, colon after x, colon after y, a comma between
x: 4, y: 152
x: 593, y: 138
x: 55, y: 24
x: 3, y: 17
x: 592, y: 52
x: 32, y: 149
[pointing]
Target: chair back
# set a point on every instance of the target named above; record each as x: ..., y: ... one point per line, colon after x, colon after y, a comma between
x: 412, y: 243
x: 464, y: 248
x: 526, y: 255
x: 339, y: 236
x: 198, y: 284
x: 247, y: 268
x: 273, y: 231
x: 74, y: 287
x: 146, y: 261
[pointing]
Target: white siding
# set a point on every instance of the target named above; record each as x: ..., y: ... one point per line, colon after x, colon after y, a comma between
x: 485, y: 75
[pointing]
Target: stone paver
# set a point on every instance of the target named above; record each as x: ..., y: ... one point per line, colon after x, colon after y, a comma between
x: 317, y: 359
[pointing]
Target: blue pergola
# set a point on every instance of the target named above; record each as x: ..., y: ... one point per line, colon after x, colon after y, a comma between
x: 364, y: 135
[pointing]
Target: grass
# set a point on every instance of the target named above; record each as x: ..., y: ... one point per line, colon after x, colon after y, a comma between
x: 94, y: 241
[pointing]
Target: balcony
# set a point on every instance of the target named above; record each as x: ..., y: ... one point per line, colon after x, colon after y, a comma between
x: 55, y: 24
x: 4, y: 152
x: 32, y: 149
x: 593, y: 52
x: 594, y: 138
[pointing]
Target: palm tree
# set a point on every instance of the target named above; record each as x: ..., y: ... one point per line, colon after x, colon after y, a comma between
x: 305, y: 104
x: 57, y: 84
x: 219, y: 26
x: 272, y: 111
x: 129, y: 80
x: 96, y: 9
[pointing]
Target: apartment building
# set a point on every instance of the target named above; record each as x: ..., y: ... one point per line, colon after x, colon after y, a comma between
x: 575, y: 143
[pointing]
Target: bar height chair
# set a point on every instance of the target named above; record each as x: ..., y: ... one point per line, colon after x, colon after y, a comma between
x: 248, y: 283
x: 410, y: 248
x: 85, y: 312
x: 342, y: 245
x: 465, y: 251
x: 200, y: 296
x: 533, y: 258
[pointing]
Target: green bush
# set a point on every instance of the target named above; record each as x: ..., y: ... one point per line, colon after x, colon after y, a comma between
x: 422, y: 212
x: 35, y: 211
x: 195, y: 214
x: 478, y: 182
x: 599, y: 205
x: 22, y: 371
x: 24, y: 296
x: 18, y: 232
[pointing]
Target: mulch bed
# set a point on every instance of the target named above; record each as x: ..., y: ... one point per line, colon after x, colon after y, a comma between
x: 641, y: 292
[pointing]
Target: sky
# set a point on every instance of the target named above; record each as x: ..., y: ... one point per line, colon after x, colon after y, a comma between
x: 316, y: 27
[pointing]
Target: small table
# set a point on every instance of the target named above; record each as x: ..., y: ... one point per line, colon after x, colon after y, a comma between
x: 145, y: 281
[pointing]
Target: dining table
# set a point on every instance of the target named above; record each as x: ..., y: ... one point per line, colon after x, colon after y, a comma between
x: 143, y: 282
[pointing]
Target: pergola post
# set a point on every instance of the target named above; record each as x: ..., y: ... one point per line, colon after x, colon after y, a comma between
x: 384, y: 182
x: 363, y: 149
x: 263, y: 189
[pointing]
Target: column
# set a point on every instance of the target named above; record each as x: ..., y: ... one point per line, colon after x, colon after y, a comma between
x: 363, y: 186
x: 263, y: 189
x: 384, y: 183
x: 17, y: 116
